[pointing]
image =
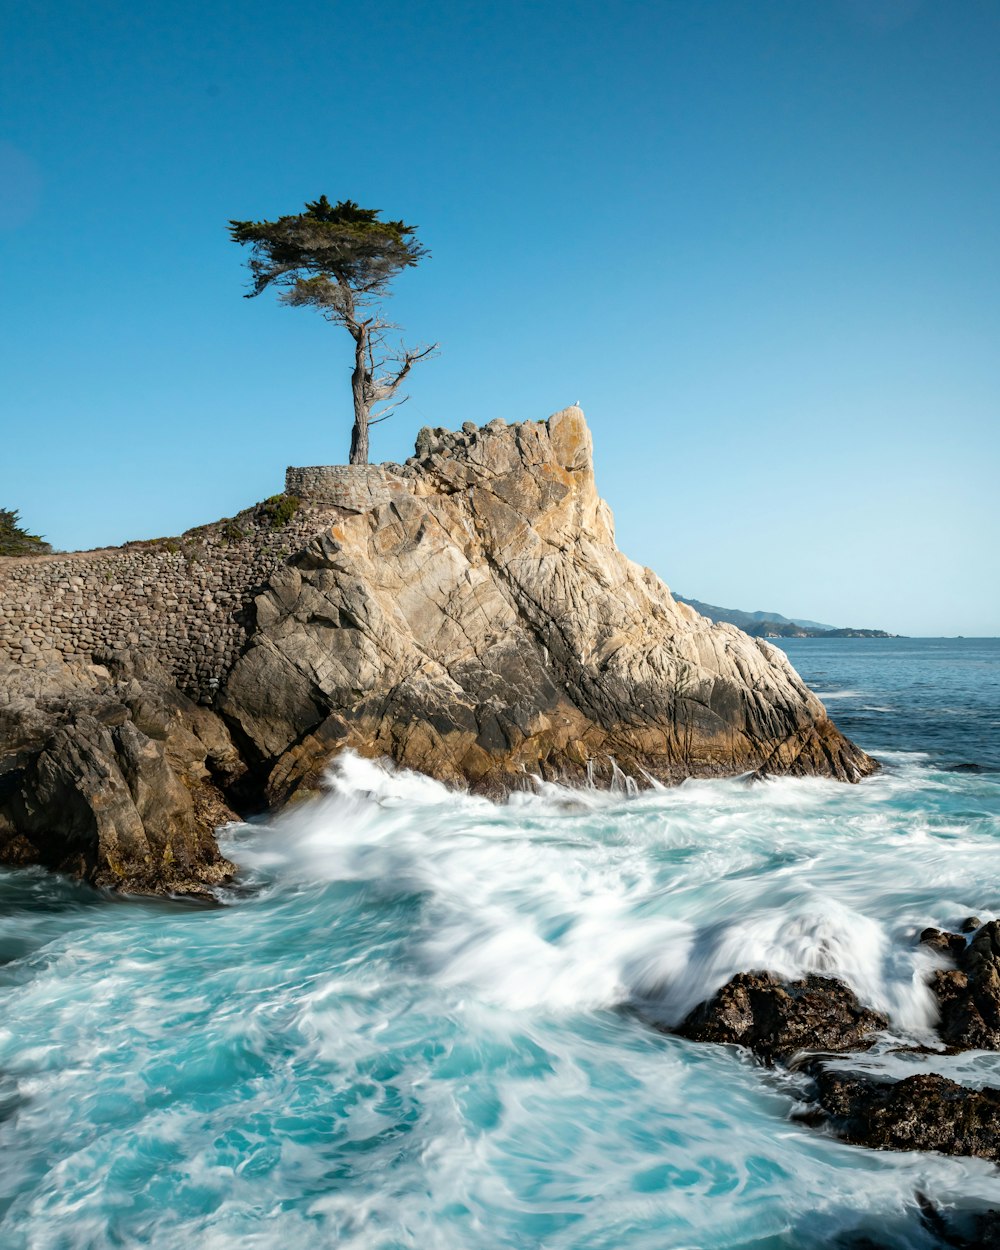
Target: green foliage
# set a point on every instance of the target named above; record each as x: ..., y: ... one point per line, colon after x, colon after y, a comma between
x: 322, y: 256
x: 280, y: 509
x: 339, y: 259
x: 155, y: 544
x: 231, y: 532
x: 16, y: 541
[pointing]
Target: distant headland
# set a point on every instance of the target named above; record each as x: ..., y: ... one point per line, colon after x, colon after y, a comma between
x: 774, y: 625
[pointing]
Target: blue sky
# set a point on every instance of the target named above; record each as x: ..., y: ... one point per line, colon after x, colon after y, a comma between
x: 757, y: 240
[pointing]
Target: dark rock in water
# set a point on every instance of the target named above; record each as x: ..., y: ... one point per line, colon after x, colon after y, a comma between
x: 970, y: 924
x: 961, y: 1230
x: 951, y: 944
x: 776, y: 1019
x: 108, y: 773
x: 894, y: 1229
x: 969, y: 994
x: 924, y: 1112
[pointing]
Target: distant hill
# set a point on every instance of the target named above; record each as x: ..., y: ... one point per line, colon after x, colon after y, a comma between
x: 774, y: 625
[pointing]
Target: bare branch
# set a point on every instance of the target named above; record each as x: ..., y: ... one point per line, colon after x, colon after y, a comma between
x: 384, y: 385
x: 387, y: 412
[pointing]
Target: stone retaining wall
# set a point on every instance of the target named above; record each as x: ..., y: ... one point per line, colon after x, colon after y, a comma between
x: 356, y: 487
x: 185, y: 600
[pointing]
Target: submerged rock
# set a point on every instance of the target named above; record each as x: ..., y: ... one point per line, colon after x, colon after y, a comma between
x: 777, y: 1019
x: 110, y: 774
x: 961, y: 1229
x: 483, y: 624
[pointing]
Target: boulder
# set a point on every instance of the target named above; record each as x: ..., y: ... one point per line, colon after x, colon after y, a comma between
x: 968, y: 994
x: 778, y: 1019
x: 923, y: 1112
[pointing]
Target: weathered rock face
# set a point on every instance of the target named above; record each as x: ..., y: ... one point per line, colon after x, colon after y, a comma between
x: 108, y: 773
x: 969, y: 995
x: 484, y: 623
x: 467, y: 614
x: 777, y: 1019
x: 923, y: 1112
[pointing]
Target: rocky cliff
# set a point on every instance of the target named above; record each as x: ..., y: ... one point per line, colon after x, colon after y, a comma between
x: 112, y: 775
x: 467, y: 614
x: 483, y: 625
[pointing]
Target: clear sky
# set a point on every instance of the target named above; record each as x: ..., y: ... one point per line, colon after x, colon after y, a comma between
x: 758, y: 240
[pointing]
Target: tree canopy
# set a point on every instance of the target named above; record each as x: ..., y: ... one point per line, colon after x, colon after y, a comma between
x: 340, y: 259
x: 328, y: 246
x: 15, y: 540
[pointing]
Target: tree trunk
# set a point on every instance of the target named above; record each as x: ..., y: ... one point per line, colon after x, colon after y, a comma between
x: 359, y: 435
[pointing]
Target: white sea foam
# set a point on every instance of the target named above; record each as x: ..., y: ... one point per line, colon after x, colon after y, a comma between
x: 408, y: 1034
x: 657, y: 898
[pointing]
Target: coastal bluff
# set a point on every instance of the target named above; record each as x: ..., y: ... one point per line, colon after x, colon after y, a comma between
x: 482, y: 625
x: 466, y: 614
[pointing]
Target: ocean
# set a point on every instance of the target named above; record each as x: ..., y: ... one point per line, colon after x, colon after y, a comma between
x: 424, y: 1020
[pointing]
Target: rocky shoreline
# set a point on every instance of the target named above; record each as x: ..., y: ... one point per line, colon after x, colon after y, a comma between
x: 467, y: 615
x: 814, y: 1025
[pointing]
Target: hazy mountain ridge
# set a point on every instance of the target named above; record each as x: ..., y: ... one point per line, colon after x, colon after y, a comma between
x: 774, y: 625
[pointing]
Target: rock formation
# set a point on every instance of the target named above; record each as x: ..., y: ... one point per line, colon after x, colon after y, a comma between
x: 777, y: 1019
x: 466, y: 614
x: 110, y: 774
x: 482, y: 624
x: 969, y: 994
x: 781, y: 1021
x: 922, y: 1112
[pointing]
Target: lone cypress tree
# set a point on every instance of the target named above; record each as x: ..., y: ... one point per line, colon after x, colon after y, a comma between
x: 340, y: 259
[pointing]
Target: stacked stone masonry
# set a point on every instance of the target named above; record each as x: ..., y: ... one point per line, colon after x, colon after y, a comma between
x: 185, y: 600
x: 188, y: 600
x: 355, y: 487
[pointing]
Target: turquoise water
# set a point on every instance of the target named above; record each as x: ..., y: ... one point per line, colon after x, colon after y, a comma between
x: 422, y: 1021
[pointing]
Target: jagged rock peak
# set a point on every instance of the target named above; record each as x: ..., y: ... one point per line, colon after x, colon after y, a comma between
x: 480, y: 624
x: 433, y: 441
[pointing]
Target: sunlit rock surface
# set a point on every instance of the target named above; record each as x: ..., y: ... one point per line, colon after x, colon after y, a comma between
x: 483, y: 624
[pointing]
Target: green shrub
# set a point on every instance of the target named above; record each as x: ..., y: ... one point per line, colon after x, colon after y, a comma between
x: 15, y: 541
x: 280, y: 509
